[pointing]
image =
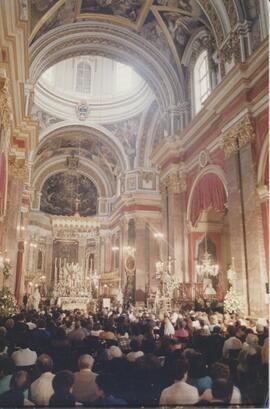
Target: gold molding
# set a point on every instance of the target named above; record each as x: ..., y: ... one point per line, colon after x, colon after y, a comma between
x: 238, y: 135
x: 174, y: 182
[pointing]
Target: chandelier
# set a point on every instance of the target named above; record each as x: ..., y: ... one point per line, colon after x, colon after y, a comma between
x: 207, y: 267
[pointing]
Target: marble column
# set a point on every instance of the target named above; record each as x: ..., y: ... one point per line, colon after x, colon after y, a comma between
x: 246, y: 233
x: 19, y: 271
x: 140, y: 279
x: 48, y: 266
x: 123, y: 244
x: 12, y: 218
x: 175, y: 223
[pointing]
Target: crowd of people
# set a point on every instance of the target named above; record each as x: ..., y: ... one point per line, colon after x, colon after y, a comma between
x: 117, y: 358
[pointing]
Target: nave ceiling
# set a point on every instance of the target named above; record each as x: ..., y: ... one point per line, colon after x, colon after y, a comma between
x: 160, y: 40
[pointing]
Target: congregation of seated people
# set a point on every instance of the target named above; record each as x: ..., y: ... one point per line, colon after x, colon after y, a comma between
x: 117, y: 358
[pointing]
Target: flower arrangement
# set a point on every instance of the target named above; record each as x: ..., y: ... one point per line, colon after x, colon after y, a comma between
x: 233, y: 302
x: 8, y: 303
x: 6, y: 270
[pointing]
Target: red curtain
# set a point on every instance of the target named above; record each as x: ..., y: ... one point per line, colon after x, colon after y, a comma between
x: 209, y: 193
x: 2, y: 182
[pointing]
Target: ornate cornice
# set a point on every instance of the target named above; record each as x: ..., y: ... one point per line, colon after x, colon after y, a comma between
x: 238, y: 135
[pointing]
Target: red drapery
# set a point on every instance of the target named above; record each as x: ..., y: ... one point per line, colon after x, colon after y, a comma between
x: 2, y: 182
x: 209, y: 193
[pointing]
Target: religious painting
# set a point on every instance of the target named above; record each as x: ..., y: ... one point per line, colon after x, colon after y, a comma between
x: 63, y: 191
x: 130, y: 264
x: 129, y: 9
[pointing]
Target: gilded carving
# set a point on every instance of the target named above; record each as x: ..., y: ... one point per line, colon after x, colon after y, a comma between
x: 231, y: 49
x: 174, y: 182
x: 5, y: 104
x: 238, y: 136
x: 16, y: 167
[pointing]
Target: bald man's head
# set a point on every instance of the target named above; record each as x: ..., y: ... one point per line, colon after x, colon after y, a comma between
x: 85, y: 362
x: 44, y: 363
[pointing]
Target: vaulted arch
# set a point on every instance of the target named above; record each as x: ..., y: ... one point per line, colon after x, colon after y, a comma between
x: 112, y: 41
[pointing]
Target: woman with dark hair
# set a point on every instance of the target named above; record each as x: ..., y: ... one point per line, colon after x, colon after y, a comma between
x: 60, y: 350
x: 62, y: 385
x: 197, y: 374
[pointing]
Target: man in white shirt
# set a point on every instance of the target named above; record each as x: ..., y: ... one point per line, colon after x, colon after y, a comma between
x: 41, y: 389
x: 180, y: 393
x: 231, y: 343
x: 24, y: 356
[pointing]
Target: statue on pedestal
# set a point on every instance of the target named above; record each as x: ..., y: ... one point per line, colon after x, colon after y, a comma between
x: 36, y: 299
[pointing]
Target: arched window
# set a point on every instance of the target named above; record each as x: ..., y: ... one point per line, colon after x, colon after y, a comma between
x: 202, y: 86
x: 83, y: 78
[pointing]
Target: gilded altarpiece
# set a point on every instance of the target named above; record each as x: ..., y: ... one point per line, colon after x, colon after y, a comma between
x: 64, y: 251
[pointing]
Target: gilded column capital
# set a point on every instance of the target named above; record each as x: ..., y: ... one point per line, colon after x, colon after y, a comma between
x: 238, y: 135
x: 174, y: 182
x: 16, y: 167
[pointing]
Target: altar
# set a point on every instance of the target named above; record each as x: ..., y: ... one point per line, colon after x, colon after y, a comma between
x: 72, y: 303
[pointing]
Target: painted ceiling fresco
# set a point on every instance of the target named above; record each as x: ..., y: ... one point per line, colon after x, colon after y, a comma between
x: 60, y: 191
x: 90, y: 147
x: 128, y: 9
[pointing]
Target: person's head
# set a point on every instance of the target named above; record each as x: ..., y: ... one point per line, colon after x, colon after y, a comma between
x: 197, y: 367
x: 19, y: 381
x: 3, y: 332
x: 121, y: 331
x: 85, y: 361
x: 148, y: 346
x: 105, y: 384
x: 216, y: 329
x: 180, y: 369
x: 63, y: 382
x: 175, y: 344
x: 9, y: 323
x: 20, y: 318
x: 77, y: 324
x: 60, y: 334
x: 41, y: 323
x: 222, y: 390
x: 114, y: 352
x: 23, y: 340
x: 252, y: 340
x: 231, y: 331
x: 134, y: 345
x: 44, y: 363
x: 220, y: 370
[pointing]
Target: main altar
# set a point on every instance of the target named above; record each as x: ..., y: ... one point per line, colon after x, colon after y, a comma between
x: 72, y: 287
